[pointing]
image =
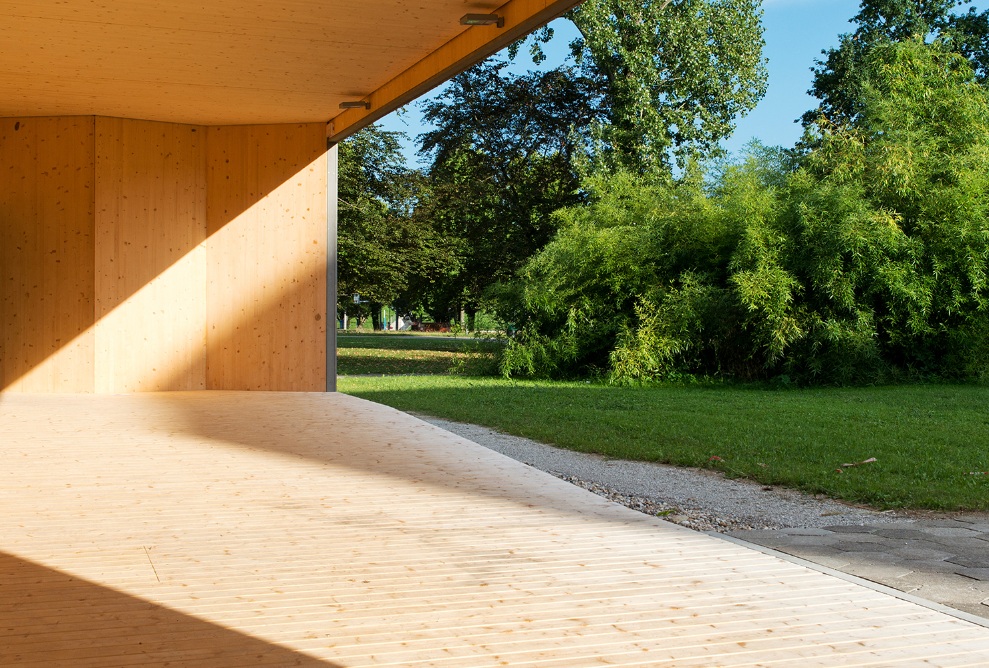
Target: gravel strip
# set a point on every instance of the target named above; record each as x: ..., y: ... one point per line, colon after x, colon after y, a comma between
x: 694, y: 498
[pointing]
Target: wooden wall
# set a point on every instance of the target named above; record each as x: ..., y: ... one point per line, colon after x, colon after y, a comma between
x: 150, y: 256
x: 267, y: 258
x: 137, y: 255
x: 46, y: 250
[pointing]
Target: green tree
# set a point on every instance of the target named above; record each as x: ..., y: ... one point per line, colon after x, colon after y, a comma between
x: 503, y: 159
x: 839, y: 79
x: 658, y: 277
x: 676, y: 74
x: 869, y: 262
x: 381, y: 242
x: 656, y: 83
x: 890, y: 223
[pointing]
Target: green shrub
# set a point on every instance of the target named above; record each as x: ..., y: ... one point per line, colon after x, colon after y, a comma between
x: 864, y: 261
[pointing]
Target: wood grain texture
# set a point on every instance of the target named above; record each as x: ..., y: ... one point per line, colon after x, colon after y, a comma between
x: 218, y: 529
x: 109, y: 282
x: 150, y: 256
x: 464, y: 50
x: 266, y: 291
x: 46, y: 254
x: 224, y: 62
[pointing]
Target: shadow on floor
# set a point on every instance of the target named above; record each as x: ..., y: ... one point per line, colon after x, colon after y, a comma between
x: 49, y: 618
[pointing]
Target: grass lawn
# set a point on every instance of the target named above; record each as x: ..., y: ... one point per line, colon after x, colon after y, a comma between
x: 416, y: 354
x: 926, y: 439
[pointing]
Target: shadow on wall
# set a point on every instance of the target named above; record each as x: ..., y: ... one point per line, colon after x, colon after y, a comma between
x: 47, y: 245
x: 126, y: 246
x: 56, y: 619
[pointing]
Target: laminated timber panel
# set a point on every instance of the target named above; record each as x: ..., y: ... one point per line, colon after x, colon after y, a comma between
x: 465, y: 49
x: 150, y: 258
x: 221, y: 529
x: 241, y: 62
x: 267, y: 255
x: 46, y: 251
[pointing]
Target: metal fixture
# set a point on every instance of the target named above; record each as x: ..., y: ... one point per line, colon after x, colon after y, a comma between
x: 482, y: 20
x: 355, y: 104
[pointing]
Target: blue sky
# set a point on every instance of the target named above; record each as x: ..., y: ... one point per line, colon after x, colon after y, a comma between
x: 796, y: 31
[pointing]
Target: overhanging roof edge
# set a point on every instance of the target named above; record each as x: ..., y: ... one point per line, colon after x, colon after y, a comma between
x: 466, y: 49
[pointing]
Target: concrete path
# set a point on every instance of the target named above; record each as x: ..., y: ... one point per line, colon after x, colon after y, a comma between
x: 945, y: 560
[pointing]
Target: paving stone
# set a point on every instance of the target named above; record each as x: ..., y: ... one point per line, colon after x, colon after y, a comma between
x: 851, y: 528
x: 873, y: 556
x: 839, y: 563
x: 863, y: 539
x: 953, y: 545
x: 913, y: 552
x: 970, y: 562
x: 774, y: 542
x: 855, y: 548
x: 981, y: 574
x: 932, y: 566
x: 949, y: 532
x: 945, y: 560
x: 881, y: 573
x: 756, y: 535
x: 982, y: 527
x: 806, y: 532
x: 828, y: 541
x: 971, y: 546
x: 946, y: 523
x: 814, y: 552
x: 952, y: 590
x: 949, y: 594
x: 904, y: 534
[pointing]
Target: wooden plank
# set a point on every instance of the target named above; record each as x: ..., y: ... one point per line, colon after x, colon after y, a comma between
x: 105, y: 258
x: 228, y: 62
x: 224, y: 528
x: 267, y: 255
x: 46, y: 250
x: 464, y: 50
x: 150, y: 259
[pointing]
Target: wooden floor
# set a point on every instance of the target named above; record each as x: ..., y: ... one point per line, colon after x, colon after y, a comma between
x: 242, y: 529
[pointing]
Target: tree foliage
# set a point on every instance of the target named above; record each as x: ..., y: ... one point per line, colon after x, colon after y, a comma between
x: 382, y: 242
x: 839, y: 78
x: 676, y: 74
x: 898, y: 204
x: 503, y: 158
x: 866, y: 262
x: 656, y: 83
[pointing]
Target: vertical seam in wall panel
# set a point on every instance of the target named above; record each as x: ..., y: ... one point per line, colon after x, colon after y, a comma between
x: 331, y: 266
x: 207, y: 139
x: 93, y: 200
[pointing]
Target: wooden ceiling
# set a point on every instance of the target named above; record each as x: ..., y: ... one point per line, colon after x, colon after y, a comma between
x: 236, y: 62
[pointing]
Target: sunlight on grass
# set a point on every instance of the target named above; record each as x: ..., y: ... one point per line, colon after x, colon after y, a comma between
x: 406, y: 354
x: 927, y: 439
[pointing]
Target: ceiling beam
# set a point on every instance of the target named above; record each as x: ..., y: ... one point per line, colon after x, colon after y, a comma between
x: 466, y: 49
